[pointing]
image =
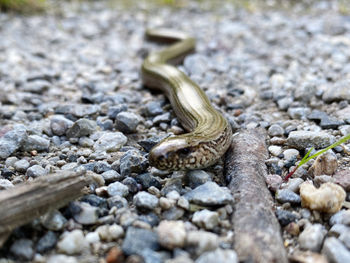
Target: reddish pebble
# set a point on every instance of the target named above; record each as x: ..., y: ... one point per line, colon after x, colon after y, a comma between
x: 115, y: 255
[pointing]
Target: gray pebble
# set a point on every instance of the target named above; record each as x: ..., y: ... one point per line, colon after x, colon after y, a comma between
x: 196, y: 64
x: 338, y: 91
x: 110, y: 142
x: 197, y: 177
x: 117, y: 201
x: 115, y: 110
x: 299, y: 113
x: 285, y: 217
x: 312, y: 237
x: 335, y: 251
x: 174, y: 213
x: 54, y: 221
x: 326, y: 122
x: 287, y: 196
x: 132, y: 162
x: 127, y: 122
x: 218, y: 255
x: 209, y: 193
x: 35, y: 142
x: 138, y: 239
x: 46, y: 242
x: 111, y: 176
x: 12, y: 140
x: 144, y: 200
x: 84, y: 213
x: 165, y: 117
x: 153, y: 108
x: 341, y: 217
x: 37, y: 86
x: 117, y: 188
x: 82, y: 127
x: 284, y: 103
x: 275, y: 130
x: 305, y: 139
x: 293, y: 184
x: 5, y: 184
x: 22, y: 249
x: 36, y: 171
x: 102, y: 166
x: 21, y: 165
x: 59, y: 124
x: 206, y: 219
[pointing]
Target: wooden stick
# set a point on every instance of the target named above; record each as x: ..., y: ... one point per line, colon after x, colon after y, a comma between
x: 257, y: 231
x: 29, y: 200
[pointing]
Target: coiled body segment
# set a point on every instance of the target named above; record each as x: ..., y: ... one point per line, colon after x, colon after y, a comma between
x: 209, y: 132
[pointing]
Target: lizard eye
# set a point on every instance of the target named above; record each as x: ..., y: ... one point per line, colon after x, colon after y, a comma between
x: 184, y: 151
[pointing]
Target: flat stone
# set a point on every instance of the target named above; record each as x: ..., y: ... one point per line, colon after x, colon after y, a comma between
x: 138, y: 239
x: 275, y: 130
x: 210, y: 194
x: 312, y: 237
x: 36, y: 142
x: 338, y: 91
x: 84, y: 213
x: 306, y: 139
x: 127, y: 122
x: 59, y: 124
x: 110, y: 142
x: 287, y: 196
x: 325, y: 121
x: 171, y: 234
x: 144, y: 200
x: 335, y: 251
x: 54, y: 220
x: 36, y: 171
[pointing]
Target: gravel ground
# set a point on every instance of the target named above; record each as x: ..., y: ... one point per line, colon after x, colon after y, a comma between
x: 71, y: 97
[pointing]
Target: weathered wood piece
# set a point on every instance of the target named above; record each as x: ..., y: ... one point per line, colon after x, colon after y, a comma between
x: 257, y: 231
x: 27, y: 201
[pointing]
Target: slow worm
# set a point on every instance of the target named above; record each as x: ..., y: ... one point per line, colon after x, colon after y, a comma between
x: 209, y: 132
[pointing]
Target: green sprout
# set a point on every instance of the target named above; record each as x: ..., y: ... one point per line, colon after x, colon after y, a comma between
x: 307, y: 158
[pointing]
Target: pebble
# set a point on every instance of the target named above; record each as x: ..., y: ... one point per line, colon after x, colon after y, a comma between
x: 324, y: 164
x: 144, y: 200
x: 37, y: 86
x: 127, y: 122
x: 275, y: 130
x: 342, y: 178
x: 59, y: 125
x: 202, y: 241
x: 196, y: 178
x: 275, y: 150
x: 308, y: 257
x: 61, y: 258
x: 206, y: 219
x: 153, y: 108
x: 46, y: 242
x: 23, y: 249
x: 174, y: 213
x: 290, y: 154
x: 218, y: 255
x: 306, y: 139
x: 171, y: 234
x: 138, y: 239
x: 183, y: 203
x: 117, y: 188
x: 338, y: 229
x: 84, y: 213
x: 92, y: 237
x: 21, y: 165
x: 299, y: 113
x: 210, y: 194
x: 117, y: 201
x: 338, y: 91
x: 5, y: 184
x: 328, y: 198
x: 326, y: 122
x: 147, y: 181
x: 287, y: 196
x: 72, y: 243
x: 82, y: 127
x: 36, y: 171
x: 54, y: 220
x: 165, y: 117
x: 293, y: 184
x: 111, y: 176
x: 335, y: 251
x: 341, y: 217
x: 312, y: 237
x: 285, y: 217
x: 12, y: 140
x: 113, y: 111
x: 110, y: 142
x: 196, y: 64
x: 273, y: 181
x: 110, y: 233
x: 132, y: 162
x: 37, y: 143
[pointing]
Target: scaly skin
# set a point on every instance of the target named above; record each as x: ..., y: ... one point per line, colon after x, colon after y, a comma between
x: 209, y: 132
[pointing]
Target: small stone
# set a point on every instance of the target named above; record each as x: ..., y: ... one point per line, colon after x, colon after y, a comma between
x: 312, y: 237
x: 59, y: 124
x: 174, y: 213
x: 165, y: 203
x: 275, y: 130
x: 138, y: 239
x: 110, y: 233
x: 328, y: 198
x: 293, y: 184
x: 131, y: 184
x: 285, y: 217
x: 149, y: 143
x: 338, y: 91
x: 117, y: 188
x: 94, y: 200
x: 61, y: 258
x: 306, y: 139
x: 324, y: 164
x: 92, y: 237
x: 147, y: 180
x: 21, y: 165
x: 202, y: 241
x: 287, y: 196
x: 5, y: 184
x: 12, y: 140
x: 290, y: 154
x: 299, y: 113
x: 183, y: 203
x: 115, y: 255
x: 117, y: 201
x: 275, y: 150
x: 196, y: 178
x: 209, y: 193
x: 326, y: 122
x: 37, y: 86
x: 127, y: 122
x: 273, y: 181
x: 338, y: 229
x: 36, y: 171
x: 54, y: 220
x: 144, y: 200
x: 171, y: 234
x: 293, y: 229
x: 72, y: 242
x: 335, y: 251
x: 82, y: 127
x: 111, y: 176
x: 284, y: 103
x: 46, y: 242
x: 115, y: 110
x: 165, y: 117
x: 308, y: 257
x: 84, y: 213
x: 132, y: 162
x: 153, y: 108
x: 102, y: 166
x: 206, y: 219
x: 37, y: 143
x: 341, y: 217
x: 343, y: 179
x: 22, y: 249
x: 110, y: 142
x: 196, y: 64
x: 218, y: 255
